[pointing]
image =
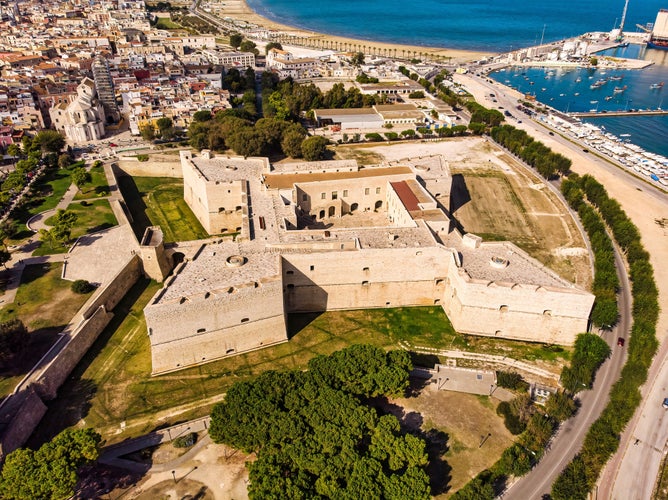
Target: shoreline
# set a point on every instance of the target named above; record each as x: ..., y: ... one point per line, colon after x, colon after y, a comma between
x: 239, y: 10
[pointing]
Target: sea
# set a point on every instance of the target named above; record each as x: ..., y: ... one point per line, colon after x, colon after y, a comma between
x: 493, y: 26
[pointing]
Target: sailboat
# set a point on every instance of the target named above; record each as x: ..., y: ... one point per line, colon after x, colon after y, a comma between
x: 656, y: 86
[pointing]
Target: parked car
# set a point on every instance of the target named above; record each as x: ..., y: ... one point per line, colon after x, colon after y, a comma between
x: 665, y: 403
x: 620, y: 342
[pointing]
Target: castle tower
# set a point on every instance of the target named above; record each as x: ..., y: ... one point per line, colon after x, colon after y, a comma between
x: 157, y: 264
x: 105, y: 89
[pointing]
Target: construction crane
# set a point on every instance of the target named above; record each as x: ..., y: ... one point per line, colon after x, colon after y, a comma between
x: 647, y: 28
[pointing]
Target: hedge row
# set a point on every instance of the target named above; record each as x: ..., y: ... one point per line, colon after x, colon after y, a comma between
x: 546, y: 162
x: 602, y: 440
x: 606, y: 282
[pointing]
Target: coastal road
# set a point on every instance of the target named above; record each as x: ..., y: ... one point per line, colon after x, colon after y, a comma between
x: 568, y: 440
x: 631, y: 472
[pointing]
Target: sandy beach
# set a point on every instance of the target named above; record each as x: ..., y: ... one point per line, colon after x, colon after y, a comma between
x: 240, y: 11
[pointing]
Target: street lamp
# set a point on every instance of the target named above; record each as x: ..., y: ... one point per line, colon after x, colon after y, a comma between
x: 174, y: 475
x: 484, y: 438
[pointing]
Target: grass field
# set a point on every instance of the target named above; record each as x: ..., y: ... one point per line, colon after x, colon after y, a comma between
x: 500, y: 206
x: 112, y: 384
x: 167, y: 24
x: 158, y: 201
x: 47, y: 193
x: 45, y: 304
x: 94, y: 216
x: 97, y: 187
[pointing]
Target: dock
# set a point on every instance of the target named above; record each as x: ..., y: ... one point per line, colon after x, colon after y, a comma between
x: 631, y: 112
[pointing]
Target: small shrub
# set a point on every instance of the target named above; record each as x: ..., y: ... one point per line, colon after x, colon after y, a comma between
x: 142, y: 157
x: 82, y: 286
x: 185, y: 441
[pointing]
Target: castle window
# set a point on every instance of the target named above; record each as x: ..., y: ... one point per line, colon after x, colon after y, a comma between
x: 221, y: 209
x: 503, y: 309
x: 437, y: 302
x: 365, y: 283
x: 244, y: 320
x: 345, y: 193
x: 229, y: 351
x: 438, y: 282
x: 289, y: 272
x: 366, y: 191
x: 207, y: 295
x: 304, y: 197
x: 377, y: 190
x: 547, y: 312
x: 323, y: 196
x: 201, y: 330
x: 335, y: 195
x: 312, y: 268
x: 290, y: 286
x: 365, y: 269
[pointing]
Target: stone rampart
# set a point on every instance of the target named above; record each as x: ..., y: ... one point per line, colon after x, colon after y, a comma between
x: 151, y: 168
x: 111, y: 294
x: 80, y: 340
x: 20, y: 417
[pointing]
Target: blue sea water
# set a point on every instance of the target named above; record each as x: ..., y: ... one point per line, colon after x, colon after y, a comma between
x: 490, y: 25
x: 483, y: 25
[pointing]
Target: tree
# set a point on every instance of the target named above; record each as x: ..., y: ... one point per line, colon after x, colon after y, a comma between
x: 80, y: 176
x: 203, y: 115
x: 49, y: 141
x: 164, y: 124
x: 64, y: 160
x: 236, y: 39
x: 82, y: 287
x: 313, y: 148
x: 291, y: 143
x: 51, y: 471
x: 247, y: 142
x: 13, y: 339
x: 272, y: 45
x: 14, y: 150
x: 357, y: 59
x: 147, y: 132
x: 248, y: 46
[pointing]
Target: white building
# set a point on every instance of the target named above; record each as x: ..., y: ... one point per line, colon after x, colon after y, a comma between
x: 82, y: 120
x: 239, y: 59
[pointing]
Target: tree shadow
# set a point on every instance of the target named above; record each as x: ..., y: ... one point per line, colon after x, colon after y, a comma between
x: 99, y: 227
x: 34, y: 272
x: 100, y: 480
x: 39, y: 342
x: 424, y: 360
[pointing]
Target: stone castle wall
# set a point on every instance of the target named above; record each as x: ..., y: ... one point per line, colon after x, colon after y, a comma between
x: 151, y: 168
x: 364, y: 279
x: 203, y: 328
x: 515, y: 311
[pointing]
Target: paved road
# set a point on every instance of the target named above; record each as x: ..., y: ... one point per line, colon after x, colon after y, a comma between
x: 568, y: 440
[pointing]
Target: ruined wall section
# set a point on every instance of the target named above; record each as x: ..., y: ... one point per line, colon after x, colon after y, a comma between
x: 515, y: 311
x: 213, y: 325
x: 366, y: 278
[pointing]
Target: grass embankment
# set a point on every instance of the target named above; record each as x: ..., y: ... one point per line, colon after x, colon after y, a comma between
x: 45, y: 304
x: 112, y: 384
x: 158, y: 201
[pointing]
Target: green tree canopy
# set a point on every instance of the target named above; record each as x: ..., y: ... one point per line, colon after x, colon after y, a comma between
x: 49, y: 141
x: 272, y: 45
x: 13, y: 339
x: 314, y: 439
x: 313, y: 148
x: 51, y: 471
x: 80, y: 176
x: 236, y: 39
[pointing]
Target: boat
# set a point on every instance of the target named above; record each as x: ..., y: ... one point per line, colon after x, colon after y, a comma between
x: 578, y: 80
x: 577, y: 93
x: 616, y: 78
x: 594, y: 86
x: 608, y: 97
x: 593, y: 102
x: 655, y: 86
x: 619, y: 90
x: 624, y: 135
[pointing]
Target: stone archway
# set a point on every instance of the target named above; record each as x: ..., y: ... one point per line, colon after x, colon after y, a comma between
x: 322, y: 214
x: 379, y: 204
x: 354, y: 207
x: 332, y: 211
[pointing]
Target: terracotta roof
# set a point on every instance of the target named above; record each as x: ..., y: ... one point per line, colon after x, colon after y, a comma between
x: 406, y: 195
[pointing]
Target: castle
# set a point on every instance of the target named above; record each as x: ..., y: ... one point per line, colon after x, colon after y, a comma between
x: 319, y: 236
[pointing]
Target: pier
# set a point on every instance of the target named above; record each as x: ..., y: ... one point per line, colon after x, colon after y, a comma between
x: 631, y: 112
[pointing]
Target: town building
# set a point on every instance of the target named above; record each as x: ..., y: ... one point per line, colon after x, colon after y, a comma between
x: 82, y: 120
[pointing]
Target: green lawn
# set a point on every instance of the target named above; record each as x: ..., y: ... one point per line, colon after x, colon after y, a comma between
x: 45, y: 304
x: 113, y: 383
x: 47, y: 193
x: 165, y: 23
x: 93, y: 216
x: 158, y: 201
x: 97, y: 187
